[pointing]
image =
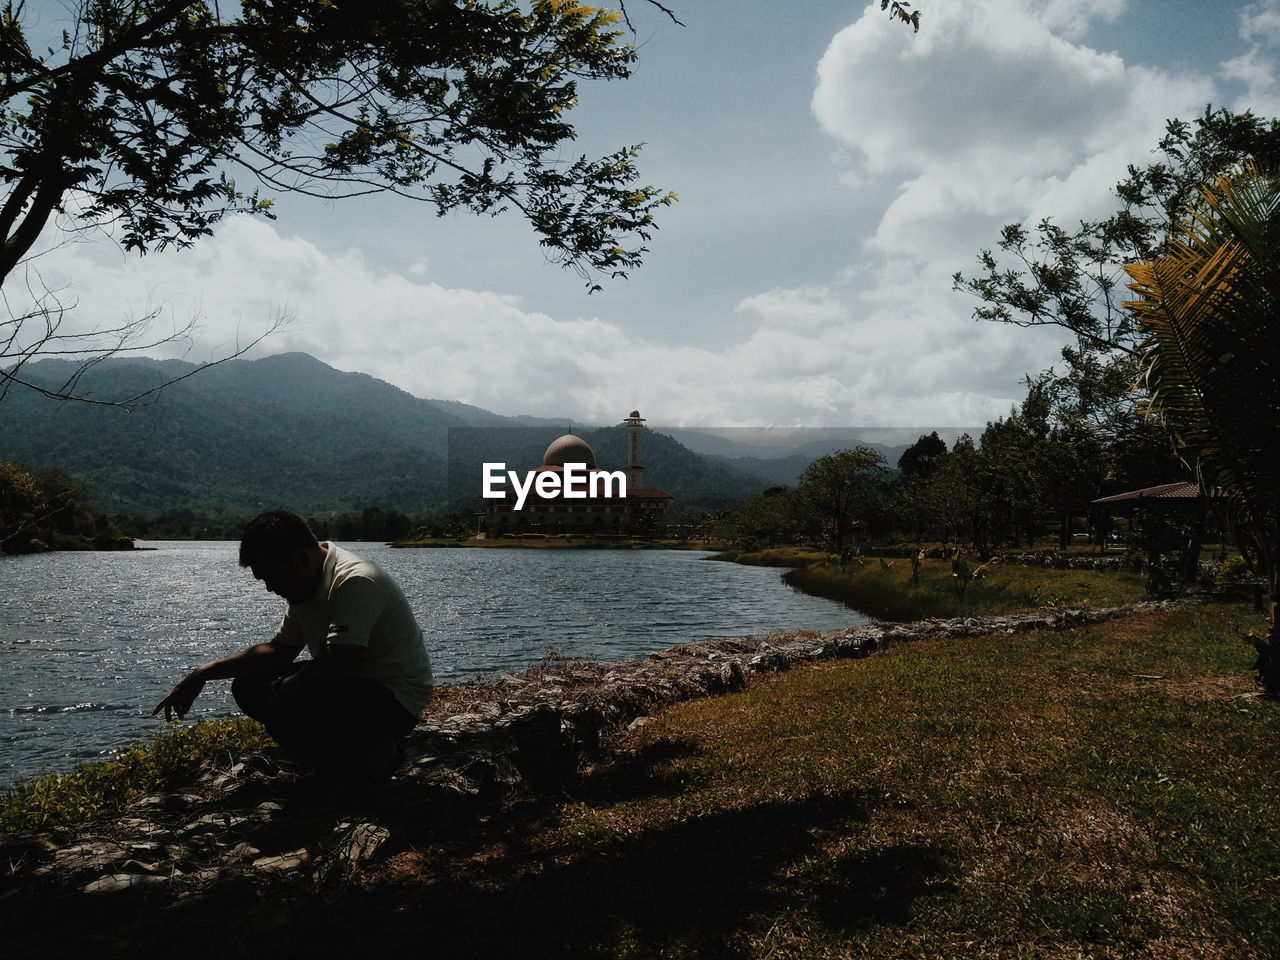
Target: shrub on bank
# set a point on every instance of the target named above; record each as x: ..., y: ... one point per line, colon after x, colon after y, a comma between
x: 169, y: 760
x: 884, y: 589
x: 774, y: 556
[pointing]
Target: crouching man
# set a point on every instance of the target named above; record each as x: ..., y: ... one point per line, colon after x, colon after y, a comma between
x: 346, y: 709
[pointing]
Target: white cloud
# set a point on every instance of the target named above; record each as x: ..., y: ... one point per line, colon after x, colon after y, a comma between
x: 1260, y: 23
x: 805, y: 357
x: 992, y: 115
x: 807, y: 307
x: 1256, y: 67
x: 1072, y: 18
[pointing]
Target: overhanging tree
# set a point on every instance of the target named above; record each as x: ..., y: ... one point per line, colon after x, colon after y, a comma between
x: 150, y: 108
x: 157, y: 118
x: 150, y: 115
x: 1210, y: 309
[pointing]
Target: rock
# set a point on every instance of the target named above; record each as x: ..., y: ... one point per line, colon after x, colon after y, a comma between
x: 362, y: 842
x: 139, y: 825
x: 732, y: 676
x: 179, y: 802
x: 220, y: 820
x: 118, y: 882
x: 94, y: 856
x: 543, y: 753
x: 251, y: 789
x: 771, y: 659
x: 418, y: 764
x: 282, y: 862
x: 137, y: 866
x: 241, y: 852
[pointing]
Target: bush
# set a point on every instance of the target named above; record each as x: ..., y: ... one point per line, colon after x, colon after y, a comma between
x: 170, y: 760
x: 1233, y: 570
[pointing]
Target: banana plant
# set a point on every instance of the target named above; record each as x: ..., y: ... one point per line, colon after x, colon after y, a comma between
x: 1209, y: 307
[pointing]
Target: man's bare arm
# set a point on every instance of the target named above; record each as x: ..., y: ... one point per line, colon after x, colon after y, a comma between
x: 255, y: 659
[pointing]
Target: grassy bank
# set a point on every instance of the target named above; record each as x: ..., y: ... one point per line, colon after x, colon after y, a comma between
x: 883, y: 589
x: 169, y: 760
x: 1107, y: 792
x: 774, y: 556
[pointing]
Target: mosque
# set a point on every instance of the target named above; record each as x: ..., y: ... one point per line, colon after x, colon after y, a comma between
x: 636, y: 514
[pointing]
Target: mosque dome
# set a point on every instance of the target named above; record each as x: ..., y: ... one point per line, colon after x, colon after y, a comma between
x: 569, y: 449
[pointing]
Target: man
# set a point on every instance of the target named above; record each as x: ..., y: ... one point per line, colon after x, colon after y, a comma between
x: 347, y: 709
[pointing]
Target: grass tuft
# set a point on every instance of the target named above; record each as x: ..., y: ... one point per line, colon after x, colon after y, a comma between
x: 171, y: 759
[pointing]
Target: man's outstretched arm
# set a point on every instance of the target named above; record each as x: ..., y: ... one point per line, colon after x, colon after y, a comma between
x: 256, y: 659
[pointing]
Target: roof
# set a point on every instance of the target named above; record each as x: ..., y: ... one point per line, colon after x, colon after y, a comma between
x: 568, y: 449
x: 1185, y: 490
x: 649, y: 494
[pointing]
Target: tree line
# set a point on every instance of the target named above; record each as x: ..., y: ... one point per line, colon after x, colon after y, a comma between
x: 1171, y: 372
x: 45, y: 508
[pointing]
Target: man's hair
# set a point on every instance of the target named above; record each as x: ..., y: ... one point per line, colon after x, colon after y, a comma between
x: 274, y: 537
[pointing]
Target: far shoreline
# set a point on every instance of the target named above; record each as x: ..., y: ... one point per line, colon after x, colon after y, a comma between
x: 560, y: 542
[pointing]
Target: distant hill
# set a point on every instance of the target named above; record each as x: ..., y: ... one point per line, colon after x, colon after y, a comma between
x: 699, y: 483
x: 291, y: 432
x: 779, y: 471
x: 283, y: 431
x: 480, y: 417
x: 782, y: 454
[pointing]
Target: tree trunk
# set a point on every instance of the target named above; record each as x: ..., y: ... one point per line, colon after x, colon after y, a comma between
x: 1268, y: 663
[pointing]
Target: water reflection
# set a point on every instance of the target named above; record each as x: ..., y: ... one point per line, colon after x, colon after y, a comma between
x: 89, y: 642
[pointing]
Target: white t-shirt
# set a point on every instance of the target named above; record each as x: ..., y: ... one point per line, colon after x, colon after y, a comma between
x: 359, y: 605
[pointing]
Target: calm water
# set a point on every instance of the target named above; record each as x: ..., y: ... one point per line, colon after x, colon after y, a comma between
x: 89, y: 642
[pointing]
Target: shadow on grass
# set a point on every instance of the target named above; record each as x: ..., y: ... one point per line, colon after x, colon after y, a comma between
x: 705, y: 886
x: 879, y: 887
x: 638, y: 776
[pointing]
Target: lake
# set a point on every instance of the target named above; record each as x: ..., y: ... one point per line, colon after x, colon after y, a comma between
x: 90, y: 642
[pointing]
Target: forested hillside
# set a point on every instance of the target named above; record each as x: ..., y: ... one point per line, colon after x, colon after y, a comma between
x: 288, y: 431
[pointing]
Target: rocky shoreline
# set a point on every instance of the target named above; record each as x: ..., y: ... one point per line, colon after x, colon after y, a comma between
x: 245, y: 837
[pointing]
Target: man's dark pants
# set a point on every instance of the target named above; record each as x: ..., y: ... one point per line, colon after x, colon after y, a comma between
x: 335, y: 721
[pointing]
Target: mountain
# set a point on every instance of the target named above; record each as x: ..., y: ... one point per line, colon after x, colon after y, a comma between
x: 480, y: 417
x: 291, y: 432
x: 781, y: 454
x: 779, y: 471
x: 286, y: 430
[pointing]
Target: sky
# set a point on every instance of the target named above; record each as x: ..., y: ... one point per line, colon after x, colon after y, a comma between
x: 834, y: 171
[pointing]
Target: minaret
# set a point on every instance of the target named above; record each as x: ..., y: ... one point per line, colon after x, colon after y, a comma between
x: 635, y: 472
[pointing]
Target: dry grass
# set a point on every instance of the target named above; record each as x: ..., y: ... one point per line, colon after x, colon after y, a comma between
x: 1009, y: 796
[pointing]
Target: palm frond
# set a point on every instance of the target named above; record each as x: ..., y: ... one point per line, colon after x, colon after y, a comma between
x: 1210, y: 309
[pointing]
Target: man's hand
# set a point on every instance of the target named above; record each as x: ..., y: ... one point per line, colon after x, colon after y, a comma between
x: 181, y: 697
